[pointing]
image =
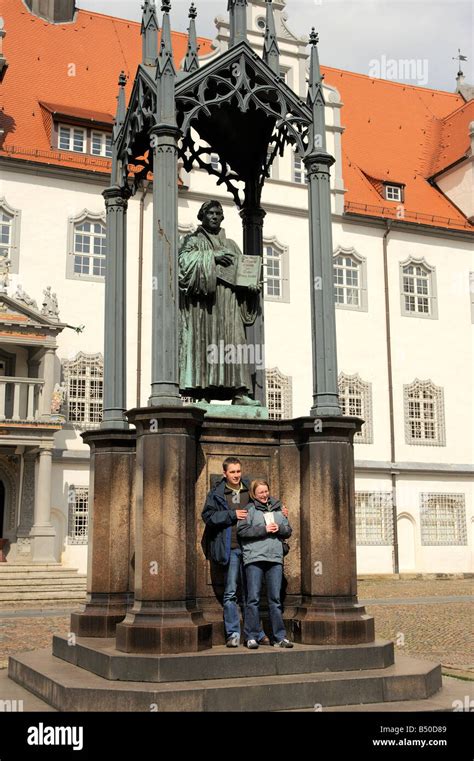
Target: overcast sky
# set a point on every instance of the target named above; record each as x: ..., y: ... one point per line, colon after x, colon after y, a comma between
x: 367, y: 36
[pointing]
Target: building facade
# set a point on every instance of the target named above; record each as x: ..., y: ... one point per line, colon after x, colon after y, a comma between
x: 402, y: 205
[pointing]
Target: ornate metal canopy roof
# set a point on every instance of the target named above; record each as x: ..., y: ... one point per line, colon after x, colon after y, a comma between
x: 236, y: 107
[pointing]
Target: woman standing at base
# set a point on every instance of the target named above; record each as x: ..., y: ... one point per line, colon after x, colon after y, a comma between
x: 261, y: 534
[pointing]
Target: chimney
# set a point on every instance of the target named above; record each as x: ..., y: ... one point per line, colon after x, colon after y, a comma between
x: 3, y: 60
x: 55, y: 11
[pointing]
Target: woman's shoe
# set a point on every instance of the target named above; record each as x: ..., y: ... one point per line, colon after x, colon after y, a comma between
x: 264, y: 641
x: 252, y: 644
x: 233, y: 641
x: 283, y: 643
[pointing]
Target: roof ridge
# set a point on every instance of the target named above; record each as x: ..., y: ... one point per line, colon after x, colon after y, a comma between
x: 457, y: 110
x: 131, y: 21
x: 392, y: 82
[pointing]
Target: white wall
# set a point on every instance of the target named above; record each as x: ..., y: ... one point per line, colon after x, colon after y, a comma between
x: 440, y: 350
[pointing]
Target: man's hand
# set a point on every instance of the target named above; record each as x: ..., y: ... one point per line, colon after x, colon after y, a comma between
x: 272, y: 528
x: 241, y: 514
x: 284, y: 510
x: 224, y: 259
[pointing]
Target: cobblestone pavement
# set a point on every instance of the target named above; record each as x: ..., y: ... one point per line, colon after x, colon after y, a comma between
x: 439, y: 631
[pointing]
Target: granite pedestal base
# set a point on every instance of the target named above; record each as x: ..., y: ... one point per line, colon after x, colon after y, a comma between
x: 111, y: 533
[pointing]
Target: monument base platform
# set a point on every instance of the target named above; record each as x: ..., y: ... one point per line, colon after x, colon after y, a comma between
x: 222, y: 680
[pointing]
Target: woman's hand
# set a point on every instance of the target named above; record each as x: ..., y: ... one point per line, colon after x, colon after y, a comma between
x: 272, y: 528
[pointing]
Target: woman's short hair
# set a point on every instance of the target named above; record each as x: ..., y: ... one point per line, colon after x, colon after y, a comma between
x: 255, y: 483
x: 208, y: 205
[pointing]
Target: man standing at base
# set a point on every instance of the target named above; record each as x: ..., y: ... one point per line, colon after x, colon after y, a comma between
x: 225, y: 505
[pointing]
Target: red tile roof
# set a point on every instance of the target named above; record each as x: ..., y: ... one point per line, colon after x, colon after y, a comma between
x: 393, y: 132
x: 76, y: 65
x: 401, y: 134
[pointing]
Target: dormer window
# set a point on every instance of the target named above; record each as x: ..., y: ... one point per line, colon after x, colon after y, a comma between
x: 393, y: 192
x: 72, y: 139
x: 101, y: 144
x: 78, y: 130
x: 82, y: 140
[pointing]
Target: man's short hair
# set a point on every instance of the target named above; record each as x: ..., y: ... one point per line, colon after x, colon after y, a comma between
x: 208, y: 205
x: 230, y: 461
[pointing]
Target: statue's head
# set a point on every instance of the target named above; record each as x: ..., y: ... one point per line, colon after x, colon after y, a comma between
x: 211, y: 215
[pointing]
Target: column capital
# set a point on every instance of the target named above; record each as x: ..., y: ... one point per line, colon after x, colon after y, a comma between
x: 164, y: 129
x: 318, y: 161
x: 45, y: 452
x: 116, y: 196
x: 253, y: 214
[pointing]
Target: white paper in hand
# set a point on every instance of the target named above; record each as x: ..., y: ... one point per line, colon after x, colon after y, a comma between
x: 268, y: 518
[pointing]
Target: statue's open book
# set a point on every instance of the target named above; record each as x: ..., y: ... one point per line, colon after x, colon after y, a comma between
x: 243, y: 273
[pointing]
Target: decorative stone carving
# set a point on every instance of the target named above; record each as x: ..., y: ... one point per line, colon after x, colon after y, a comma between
x: 4, y: 275
x: 21, y: 295
x: 28, y: 497
x: 58, y: 397
x: 23, y: 546
x: 50, y: 304
x: 9, y: 467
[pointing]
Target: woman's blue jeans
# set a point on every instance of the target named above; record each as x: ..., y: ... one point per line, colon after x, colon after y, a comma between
x: 273, y: 575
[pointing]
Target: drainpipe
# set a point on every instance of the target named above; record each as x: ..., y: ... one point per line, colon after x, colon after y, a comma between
x: 390, y: 397
x: 140, y: 291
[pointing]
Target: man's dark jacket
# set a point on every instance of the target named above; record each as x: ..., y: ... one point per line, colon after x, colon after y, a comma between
x: 219, y: 518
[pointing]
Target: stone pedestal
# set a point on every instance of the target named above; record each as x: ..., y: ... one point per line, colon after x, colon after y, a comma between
x: 111, y: 540
x: 165, y: 617
x: 329, y: 612
x: 267, y: 449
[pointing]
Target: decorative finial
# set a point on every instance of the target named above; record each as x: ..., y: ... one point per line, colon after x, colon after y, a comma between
x: 166, y: 6
x: 149, y: 32
x: 313, y: 37
x: 271, y: 51
x: 191, y: 61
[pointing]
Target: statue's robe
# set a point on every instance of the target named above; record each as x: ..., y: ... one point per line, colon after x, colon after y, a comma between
x: 213, y: 316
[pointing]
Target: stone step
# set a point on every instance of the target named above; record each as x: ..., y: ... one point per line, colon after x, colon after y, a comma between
x: 24, y: 573
x: 39, y: 580
x: 451, y: 694
x: 51, y: 593
x: 69, y: 688
x: 100, y: 656
x: 451, y: 697
x: 29, y: 567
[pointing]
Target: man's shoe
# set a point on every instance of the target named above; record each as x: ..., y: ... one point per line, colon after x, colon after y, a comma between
x: 252, y: 644
x: 283, y: 643
x: 233, y: 641
x: 264, y: 641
